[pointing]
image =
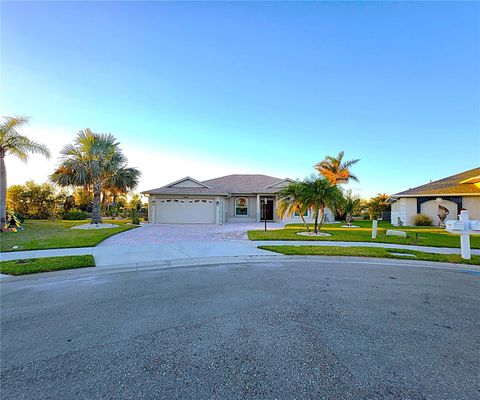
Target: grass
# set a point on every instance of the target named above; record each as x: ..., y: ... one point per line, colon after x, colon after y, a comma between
x: 377, y: 252
x: 42, y: 234
x: 47, y: 264
x: 420, y: 236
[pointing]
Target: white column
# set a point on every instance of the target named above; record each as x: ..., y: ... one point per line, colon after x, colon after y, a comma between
x: 374, y: 229
x: 465, y: 236
x: 258, y: 208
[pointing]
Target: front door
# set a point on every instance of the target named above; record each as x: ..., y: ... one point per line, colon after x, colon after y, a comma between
x: 266, y: 210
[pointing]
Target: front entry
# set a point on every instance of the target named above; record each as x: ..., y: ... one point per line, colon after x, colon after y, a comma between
x: 268, y: 210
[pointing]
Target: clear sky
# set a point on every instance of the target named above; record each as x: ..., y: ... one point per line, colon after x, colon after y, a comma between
x: 207, y: 89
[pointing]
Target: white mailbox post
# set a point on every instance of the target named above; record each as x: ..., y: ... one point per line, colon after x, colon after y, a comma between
x: 464, y: 227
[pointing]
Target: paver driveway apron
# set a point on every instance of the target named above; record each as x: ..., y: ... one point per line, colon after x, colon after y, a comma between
x: 165, y: 242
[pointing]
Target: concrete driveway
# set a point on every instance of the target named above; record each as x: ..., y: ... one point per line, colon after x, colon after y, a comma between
x: 172, y: 233
x: 160, y: 242
x: 285, y: 330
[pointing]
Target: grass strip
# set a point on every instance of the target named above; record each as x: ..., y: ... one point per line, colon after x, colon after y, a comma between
x: 47, y: 264
x: 377, y: 252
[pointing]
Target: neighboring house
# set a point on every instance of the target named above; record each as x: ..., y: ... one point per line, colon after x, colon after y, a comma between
x: 457, y: 192
x: 231, y: 198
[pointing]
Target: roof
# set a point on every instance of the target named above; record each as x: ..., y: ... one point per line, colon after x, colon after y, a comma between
x: 464, y: 183
x: 225, y: 185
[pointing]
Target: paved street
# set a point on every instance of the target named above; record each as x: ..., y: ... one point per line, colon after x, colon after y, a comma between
x: 331, y: 329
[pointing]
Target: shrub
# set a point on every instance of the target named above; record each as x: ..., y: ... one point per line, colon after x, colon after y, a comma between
x: 35, y: 201
x: 74, y: 215
x: 422, y: 220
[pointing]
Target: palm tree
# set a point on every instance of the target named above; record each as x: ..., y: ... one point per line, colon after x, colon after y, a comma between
x: 291, y: 200
x: 319, y: 194
x: 336, y: 170
x: 349, y: 205
x: 94, y: 160
x: 376, y: 205
x: 12, y: 142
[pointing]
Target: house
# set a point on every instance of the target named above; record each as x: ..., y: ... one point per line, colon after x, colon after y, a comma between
x: 445, y: 197
x: 231, y: 198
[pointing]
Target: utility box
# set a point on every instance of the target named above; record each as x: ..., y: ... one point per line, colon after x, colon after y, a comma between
x: 456, y: 226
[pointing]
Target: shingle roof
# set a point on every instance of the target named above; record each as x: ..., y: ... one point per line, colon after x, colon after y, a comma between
x: 452, y: 185
x: 229, y: 184
x: 185, y: 190
x: 242, y: 183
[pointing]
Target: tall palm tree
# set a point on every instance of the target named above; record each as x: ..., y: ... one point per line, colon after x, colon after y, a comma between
x: 349, y: 205
x: 94, y: 160
x: 319, y: 194
x: 291, y: 200
x: 12, y: 142
x: 336, y: 170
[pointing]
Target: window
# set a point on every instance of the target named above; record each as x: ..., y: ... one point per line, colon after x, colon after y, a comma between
x: 241, y: 206
x: 305, y: 214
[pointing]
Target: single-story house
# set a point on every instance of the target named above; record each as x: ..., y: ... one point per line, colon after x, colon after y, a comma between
x: 445, y: 197
x: 231, y: 198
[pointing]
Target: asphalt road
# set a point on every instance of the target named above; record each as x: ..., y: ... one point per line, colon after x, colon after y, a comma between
x: 278, y: 330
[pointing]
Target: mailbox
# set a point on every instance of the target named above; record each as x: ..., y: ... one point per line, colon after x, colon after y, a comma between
x: 455, y: 225
x: 475, y: 225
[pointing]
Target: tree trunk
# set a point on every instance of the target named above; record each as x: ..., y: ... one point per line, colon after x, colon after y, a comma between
x: 322, y: 210
x: 3, y: 191
x: 348, y: 220
x: 97, y: 192
x: 315, y: 230
x: 303, y: 220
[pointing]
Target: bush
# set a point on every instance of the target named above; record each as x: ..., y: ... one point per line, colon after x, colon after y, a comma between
x: 422, y: 220
x: 75, y: 215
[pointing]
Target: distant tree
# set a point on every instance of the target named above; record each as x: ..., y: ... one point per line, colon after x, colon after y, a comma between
x: 83, y: 198
x: 35, y: 201
x: 335, y: 170
x: 12, y: 142
x: 95, y: 160
x: 376, y: 205
x: 291, y: 200
x: 349, y: 205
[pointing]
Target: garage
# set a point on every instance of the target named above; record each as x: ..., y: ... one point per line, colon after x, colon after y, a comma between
x: 185, y: 211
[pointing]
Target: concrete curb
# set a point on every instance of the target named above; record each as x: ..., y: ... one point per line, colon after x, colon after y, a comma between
x: 218, y: 261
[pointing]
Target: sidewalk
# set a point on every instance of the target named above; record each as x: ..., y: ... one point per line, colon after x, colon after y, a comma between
x: 121, y: 255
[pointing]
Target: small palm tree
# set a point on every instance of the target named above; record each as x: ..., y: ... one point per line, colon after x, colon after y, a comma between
x: 291, y: 200
x: 94, y: 160
x: 336, y: 170
x: 319, y: 194
x: 12, y: 142
x: 349, y: 205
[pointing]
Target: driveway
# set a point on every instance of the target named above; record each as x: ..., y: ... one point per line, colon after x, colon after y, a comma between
x: 151, y: 243
x: 286, y: 330
x: 172, y: 233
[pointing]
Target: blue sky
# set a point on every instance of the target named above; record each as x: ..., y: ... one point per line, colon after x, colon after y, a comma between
x: 206, y: 89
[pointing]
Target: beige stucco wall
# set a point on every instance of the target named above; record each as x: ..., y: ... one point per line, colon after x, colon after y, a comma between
x: 430, y: 208
x: 472, y: 204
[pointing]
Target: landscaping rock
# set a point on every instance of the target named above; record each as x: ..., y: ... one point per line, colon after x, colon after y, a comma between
x: 392, y: 232
x: 95, y: 226
x: 313, y: 234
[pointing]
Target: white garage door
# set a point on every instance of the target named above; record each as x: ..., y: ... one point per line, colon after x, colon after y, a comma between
x: 185, y: 211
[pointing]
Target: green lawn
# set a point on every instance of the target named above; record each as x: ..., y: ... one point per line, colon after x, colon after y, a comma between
x: 47, y: 264
x: 376, y: 252
x: 420, y: 236
x: 42, y: 234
